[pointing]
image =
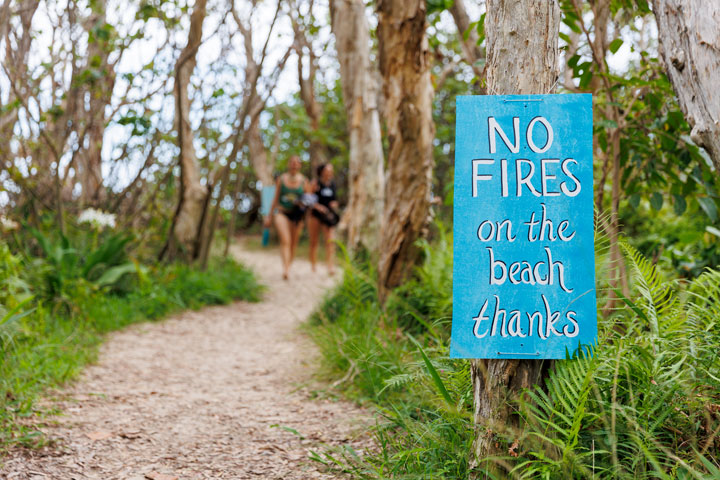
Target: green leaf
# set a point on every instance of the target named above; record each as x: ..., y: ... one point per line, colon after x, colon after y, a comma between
x: 16, y: 314
x: 709, y: 207
x: 680, y: 204
x: 288, y: 429
x: 113, y: 274
x: 711, y: 467
x: 481, y: 29
x: 607, y: 123
x: 573, y: 61
x: 434, y: 374
x: 631, y: 304
x: 437, y: 5
x: 656, y: 201
x: 571, y: 20
x: 585, y: 79
x: 634, y: 200
x: 712, y: 230
x: 615, y: 45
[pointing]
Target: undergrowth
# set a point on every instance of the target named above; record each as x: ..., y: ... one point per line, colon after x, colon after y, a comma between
x: 43, y: 346
x: 645, y: 403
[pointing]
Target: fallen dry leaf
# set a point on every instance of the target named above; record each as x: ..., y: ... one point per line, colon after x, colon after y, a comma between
x: 100, y: 435
x: 513, y: 449
x: 159, y: 476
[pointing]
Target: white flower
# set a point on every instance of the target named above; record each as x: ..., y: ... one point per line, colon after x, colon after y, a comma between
x: 97, y: 218
x: 8, y: 223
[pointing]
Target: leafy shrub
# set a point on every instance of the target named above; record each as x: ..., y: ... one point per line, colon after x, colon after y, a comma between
x: 645, y: 403
x: 428, y: 295
x: 93, y: 260
x: 368, y: 352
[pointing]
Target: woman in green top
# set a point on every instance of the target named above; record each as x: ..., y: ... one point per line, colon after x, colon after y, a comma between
x: 289, y: 189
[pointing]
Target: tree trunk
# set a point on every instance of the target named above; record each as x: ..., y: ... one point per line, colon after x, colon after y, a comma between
x: 192, y: 192
x: 253, y: 104
x: 233, y: 211
x: 15, y: 66
x: 468, y: 36
x: 526, y: 30
x: 405, y: 66
x: 318, y: 154
x: 100, y: 92
x: 689, y: 32
x: 258, y: 154
x: 366, y: 177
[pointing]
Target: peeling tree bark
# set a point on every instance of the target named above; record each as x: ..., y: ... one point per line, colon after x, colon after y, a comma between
x: 364, y: 211
x: 405, y: 65
x: 689, y: 32
x: 192, y: 192
x: 526, y: 30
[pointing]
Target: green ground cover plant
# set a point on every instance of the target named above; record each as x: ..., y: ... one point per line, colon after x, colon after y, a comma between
x: 59, y: 300
x: 643, y: 403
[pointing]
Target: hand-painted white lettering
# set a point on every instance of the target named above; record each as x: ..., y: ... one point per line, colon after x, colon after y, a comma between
x: 494, y: 127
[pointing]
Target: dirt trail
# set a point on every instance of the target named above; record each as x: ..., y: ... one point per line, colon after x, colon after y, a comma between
x: 197, y: 396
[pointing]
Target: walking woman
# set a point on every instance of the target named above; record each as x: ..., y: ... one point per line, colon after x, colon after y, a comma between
x: 323, y: 216
x: 289, y: 189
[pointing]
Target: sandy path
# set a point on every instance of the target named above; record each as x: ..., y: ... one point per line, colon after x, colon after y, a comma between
x: 197, y: 396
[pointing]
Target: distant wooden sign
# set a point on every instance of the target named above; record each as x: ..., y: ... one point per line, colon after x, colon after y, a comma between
x: 524, y: 259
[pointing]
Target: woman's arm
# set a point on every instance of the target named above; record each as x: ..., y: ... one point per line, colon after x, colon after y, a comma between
x: 317, y: 205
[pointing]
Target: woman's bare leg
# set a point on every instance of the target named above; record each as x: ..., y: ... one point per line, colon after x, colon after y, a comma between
x: 329, y: 235
x: 314, y: 232
x: 295, y: 229
x: 283, y: 226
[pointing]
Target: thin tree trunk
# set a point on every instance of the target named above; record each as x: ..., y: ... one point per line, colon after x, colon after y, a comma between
x: 405, y: 66
x: 233, y: 212
x: 186, y: 222
x: 4, y: 17
x: 258, y: 155
x: 366, y: 184
x: 15, y: 66
x: 689, y: 32
x: 224, y: 177
x: 100, y: 93
x: 318, y: 153
x: 468, y: 36
x: 526, y: 30
x: 253, y: 103
x: 599, y: 42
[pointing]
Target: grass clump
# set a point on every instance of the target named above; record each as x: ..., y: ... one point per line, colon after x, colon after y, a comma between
x: 644, y: 403
x: 396, y: 360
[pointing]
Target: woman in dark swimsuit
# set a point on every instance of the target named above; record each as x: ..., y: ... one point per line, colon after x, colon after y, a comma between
x: 289, y: 189
x: 323, y: 216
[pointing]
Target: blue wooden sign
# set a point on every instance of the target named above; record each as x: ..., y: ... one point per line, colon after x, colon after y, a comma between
x: 524, y: 261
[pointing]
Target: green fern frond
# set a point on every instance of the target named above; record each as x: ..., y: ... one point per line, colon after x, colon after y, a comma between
x: 658, y: 295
